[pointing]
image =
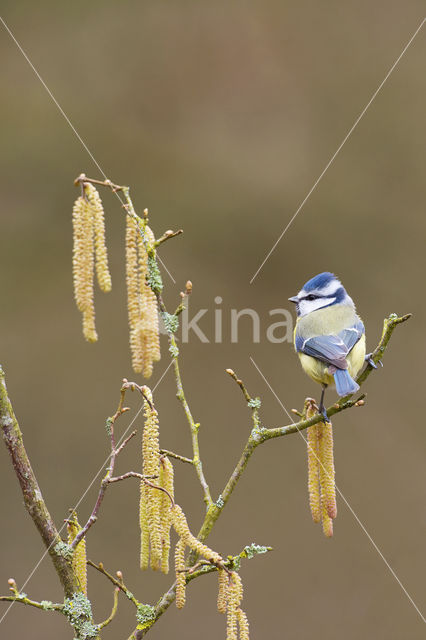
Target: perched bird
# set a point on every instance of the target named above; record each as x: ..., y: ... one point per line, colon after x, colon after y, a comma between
x: 329, y: 336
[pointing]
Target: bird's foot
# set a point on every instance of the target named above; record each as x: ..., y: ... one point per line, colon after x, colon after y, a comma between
x: 323, y: 412
x: 369, y: 360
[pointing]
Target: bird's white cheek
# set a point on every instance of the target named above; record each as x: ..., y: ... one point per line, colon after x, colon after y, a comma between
x: 307, y: 306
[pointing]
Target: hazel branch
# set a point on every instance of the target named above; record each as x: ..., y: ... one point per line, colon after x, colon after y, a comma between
x: 232, y: 563
x: 261, y: 434
x: 33, y: 499
x: 194, y: 426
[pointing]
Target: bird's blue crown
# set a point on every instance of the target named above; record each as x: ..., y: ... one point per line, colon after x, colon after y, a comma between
x: 320, y: 281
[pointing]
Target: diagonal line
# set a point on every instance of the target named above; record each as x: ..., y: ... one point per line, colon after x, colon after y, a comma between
x: 343, y: 498
x: 53, y: 98
x: 101, y: 468
x: 76, y: 133
x: 329, y: 163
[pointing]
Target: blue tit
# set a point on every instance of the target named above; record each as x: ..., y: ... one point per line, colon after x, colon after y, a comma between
x: 329, y: 336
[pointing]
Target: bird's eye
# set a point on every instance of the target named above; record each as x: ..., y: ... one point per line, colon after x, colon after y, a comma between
x: 311, y: 297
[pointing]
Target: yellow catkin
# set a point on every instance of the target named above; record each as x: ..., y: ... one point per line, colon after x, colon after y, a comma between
x: 326, y: 468
x: 181, y: 527
x: 222, y: 594
x: 313, y: 474
x: 235, y: 594
x: 180, y: 574
x: 133, y: 297
x: 78, y: 253
x: 243, y: 624
x: 151, y: 498
x: 141, y: 302
x: 150, y: 335
x: 327, y: 522
x: 79, y: 558
x: 83, y: 265
x: 102, y: 269
x: 166, y: 480
x: 143, y: 523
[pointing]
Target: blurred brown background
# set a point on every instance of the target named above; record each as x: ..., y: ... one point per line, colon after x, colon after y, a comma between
x: 221, y: 116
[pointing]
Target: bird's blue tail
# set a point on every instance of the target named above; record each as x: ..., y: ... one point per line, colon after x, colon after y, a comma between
x: 344, y: 383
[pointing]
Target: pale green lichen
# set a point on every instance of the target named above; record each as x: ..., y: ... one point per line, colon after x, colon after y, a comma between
x: 145, y: 616
x: 220, y: 502
x: 174, y: 350
x: 171, y: 322
x: 47, y: 605
x: 78, y: 610
x: 254, y: 403
x: 253, y: 549
x: 108, y: 425
x: 153, y: 277
x: 63, y: 549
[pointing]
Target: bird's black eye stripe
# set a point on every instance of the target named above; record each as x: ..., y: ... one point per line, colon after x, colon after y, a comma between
x: 311, y: 296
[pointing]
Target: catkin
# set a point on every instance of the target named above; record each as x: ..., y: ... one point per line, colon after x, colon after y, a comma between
x: 327, y: 522
x: 166, y: 480
x: 101, y: 255
x: 243, y: 624
x: 326, y: 470
x: 150, y: 498
x: 313, y: 474
x: 83, y: 265
x: 235, y: 594
x: 181, y: 527
x: 143, y: 523
x: 180, y: 573
x: 321, y: 476
x: 141, y: 301
x: 79, y: 558
x: 222, y: 594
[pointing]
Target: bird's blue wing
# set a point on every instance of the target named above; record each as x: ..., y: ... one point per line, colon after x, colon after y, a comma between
x: 351, y: 335
x: 331, y: 349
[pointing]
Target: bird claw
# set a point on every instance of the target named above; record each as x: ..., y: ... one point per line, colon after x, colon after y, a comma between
x: 323, y: 412
x: 369, y: 360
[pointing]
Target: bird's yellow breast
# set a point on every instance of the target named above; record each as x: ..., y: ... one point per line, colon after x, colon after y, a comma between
x: 323, y: 322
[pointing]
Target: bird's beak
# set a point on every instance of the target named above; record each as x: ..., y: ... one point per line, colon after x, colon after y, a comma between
x: 294, y: 299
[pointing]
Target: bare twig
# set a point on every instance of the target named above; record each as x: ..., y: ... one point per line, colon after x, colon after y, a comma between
x: 110, y: 618
x: 115, y: 581
x: 135, y: 474
x: 166, y: 236
x: 240, y: 383
x: 23, y: 599
x: 194, y: 426
x: 110, y: 470
x: 176, y: 456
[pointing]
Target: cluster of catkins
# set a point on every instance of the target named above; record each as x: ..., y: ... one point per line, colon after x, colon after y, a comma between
x: 90, y: 251
x: 321, y: 481
x: 158, y: 513
x: 141, y: 301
